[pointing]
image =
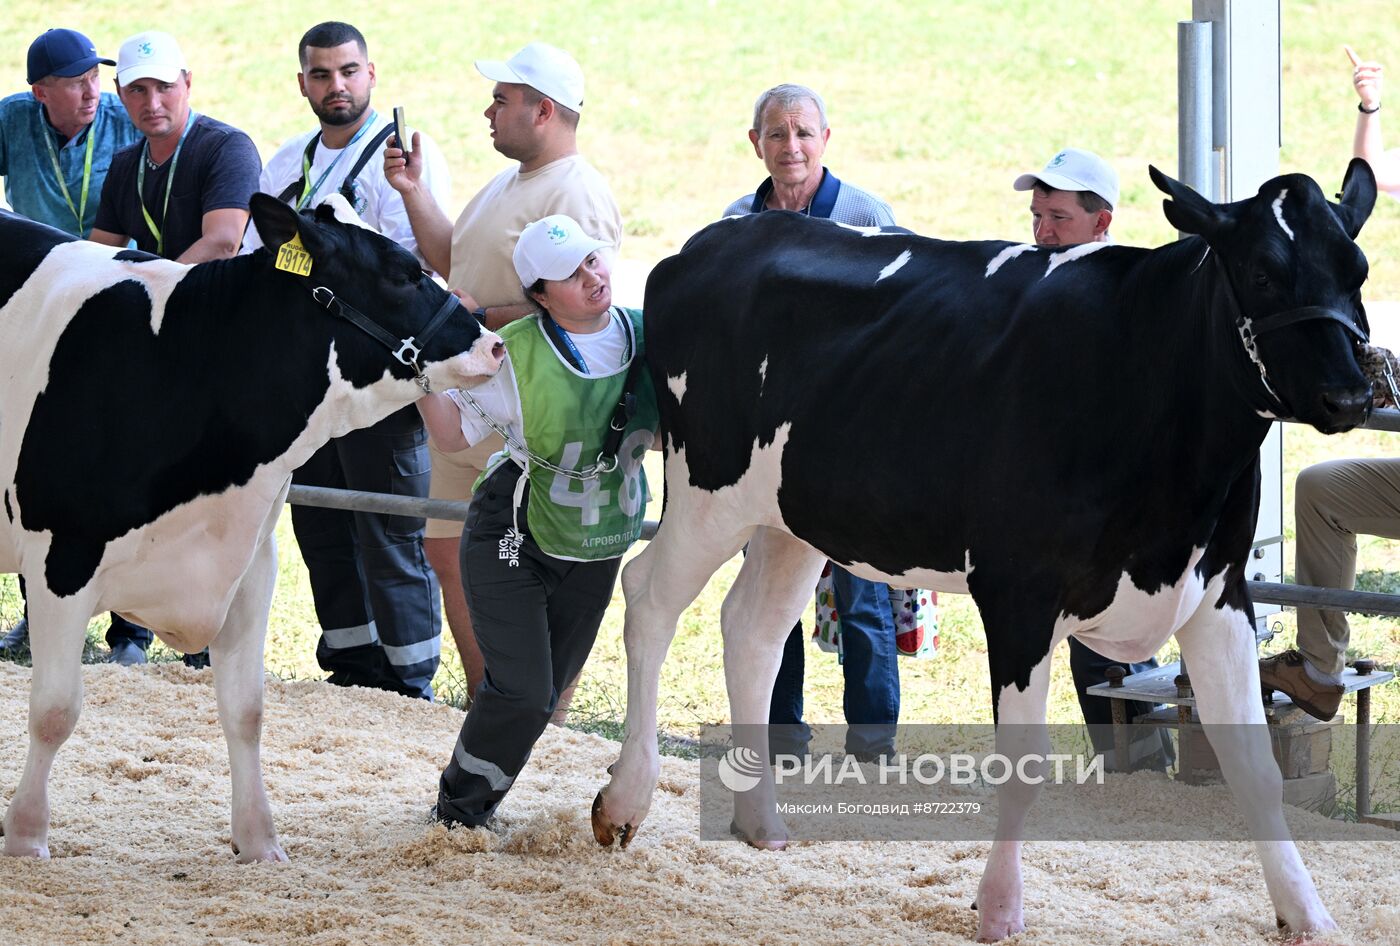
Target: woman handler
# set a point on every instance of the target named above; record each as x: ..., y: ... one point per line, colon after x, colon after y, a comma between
x: 553, y: 513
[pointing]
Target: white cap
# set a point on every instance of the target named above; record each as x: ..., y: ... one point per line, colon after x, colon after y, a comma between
x: 552, y: 248
x: 546, y: 69
x: 1075, y: 170
x: 150, y: 55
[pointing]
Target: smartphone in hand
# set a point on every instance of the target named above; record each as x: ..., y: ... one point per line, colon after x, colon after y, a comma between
x: 401, y: 132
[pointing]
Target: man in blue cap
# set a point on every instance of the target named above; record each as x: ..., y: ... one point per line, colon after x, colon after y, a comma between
x: 56, y: 143
x: 57, y: 140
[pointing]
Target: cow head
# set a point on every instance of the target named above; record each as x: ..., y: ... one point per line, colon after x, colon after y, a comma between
x: 379, y: 302
x: 1292, y: 283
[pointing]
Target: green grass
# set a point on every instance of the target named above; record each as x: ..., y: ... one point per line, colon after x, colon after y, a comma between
x: 934, y: 106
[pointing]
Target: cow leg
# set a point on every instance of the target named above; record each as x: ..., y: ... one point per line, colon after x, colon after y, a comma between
x: 236, y: 654
x: 767, y: 598
x: 55, y: 700
x: 659, y: 584
x: 1219, y: 649
x: 1020, y: 722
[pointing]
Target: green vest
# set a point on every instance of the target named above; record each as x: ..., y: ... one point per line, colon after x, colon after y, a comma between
x: 565, y: 417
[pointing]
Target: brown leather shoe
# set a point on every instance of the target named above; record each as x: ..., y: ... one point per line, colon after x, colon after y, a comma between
x: 1285, y: 672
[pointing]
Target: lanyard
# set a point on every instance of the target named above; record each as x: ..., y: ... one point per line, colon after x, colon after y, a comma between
x: 169, y: 180
x: 563, y: 336
x: 81, y: 210
x: 309, y: 190
x: 573, y: 349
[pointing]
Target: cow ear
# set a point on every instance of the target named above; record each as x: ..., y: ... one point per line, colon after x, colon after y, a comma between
x: 277, y: 223
x: 1187, y: 210
x: 1358, y: 196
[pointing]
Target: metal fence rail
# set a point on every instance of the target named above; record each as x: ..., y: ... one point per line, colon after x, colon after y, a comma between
x: 388, y: 504
x: 1385, y: 418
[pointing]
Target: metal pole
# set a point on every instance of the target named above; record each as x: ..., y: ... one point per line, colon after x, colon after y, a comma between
x: 1363, y: 754
x: 1385, y: 418
x: 1325, y: 599
x: 1194, y: 94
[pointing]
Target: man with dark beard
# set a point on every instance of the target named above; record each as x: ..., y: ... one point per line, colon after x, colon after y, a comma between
x: 375, y: 596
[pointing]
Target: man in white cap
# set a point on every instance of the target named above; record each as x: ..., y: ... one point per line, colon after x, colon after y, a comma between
x: 56, y: 143
x: 534, y: 116
x: 217, y: 165
x: 200, y: 219
x: 376, y: 598
x: 1073, y: 200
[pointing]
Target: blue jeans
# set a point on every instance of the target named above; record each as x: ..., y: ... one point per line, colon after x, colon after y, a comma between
x: 868, y: 664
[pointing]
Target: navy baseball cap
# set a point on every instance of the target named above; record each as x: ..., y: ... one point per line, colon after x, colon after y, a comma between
x: 62, y: 53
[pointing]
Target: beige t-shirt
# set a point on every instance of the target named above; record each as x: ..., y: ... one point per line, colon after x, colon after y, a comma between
x: 485, y: 234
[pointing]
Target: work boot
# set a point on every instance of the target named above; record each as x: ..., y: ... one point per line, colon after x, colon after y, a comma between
x: 197, y: 661
x: 18, y: 638
x: 1285, y: 672
x: 127, y: 653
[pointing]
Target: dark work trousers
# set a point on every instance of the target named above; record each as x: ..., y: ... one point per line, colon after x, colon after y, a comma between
x: 869, y: 668
x: 1149, y: 747
x: 535, y: 618
x: 376, y: 598
x: 119, y: 629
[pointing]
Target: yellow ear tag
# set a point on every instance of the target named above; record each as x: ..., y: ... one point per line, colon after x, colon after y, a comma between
x: 293, y: 258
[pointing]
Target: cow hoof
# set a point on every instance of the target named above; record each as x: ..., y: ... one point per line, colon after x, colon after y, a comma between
x: 759, y: 839
x: 605, y: 832
x: 36, y: 851
x: 14, y: 847
x: 995, y: 932
x: 1296, y: 935
x: 271, y: 854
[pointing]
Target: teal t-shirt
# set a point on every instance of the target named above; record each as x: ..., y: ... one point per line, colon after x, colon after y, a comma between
x: 31, y: 187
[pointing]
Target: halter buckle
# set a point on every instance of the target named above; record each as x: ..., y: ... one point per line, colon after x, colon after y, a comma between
x: 408, y: 353
x: 323, y: 296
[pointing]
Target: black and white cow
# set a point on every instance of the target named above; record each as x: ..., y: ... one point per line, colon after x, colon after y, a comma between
x: 1095, y: 415
x: 151, y: 415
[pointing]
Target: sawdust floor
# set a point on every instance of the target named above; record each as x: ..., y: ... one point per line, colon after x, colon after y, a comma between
x: 141, y: 853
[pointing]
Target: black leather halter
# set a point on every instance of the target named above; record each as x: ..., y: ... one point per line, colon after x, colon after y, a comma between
x: 1249, y: 330
x: 406, y: 350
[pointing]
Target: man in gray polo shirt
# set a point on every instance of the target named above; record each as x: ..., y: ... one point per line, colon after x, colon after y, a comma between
x: 789, y: 134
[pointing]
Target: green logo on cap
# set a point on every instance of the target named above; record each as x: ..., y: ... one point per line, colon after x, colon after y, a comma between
x: 556, y: 234
x: 1057, y: 160
x: 144, y: 50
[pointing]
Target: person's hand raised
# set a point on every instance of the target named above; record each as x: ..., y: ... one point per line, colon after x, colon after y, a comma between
x: 1366, y: 78
x: 403, y: 170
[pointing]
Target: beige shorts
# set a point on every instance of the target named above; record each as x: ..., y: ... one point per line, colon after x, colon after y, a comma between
x: 452, y: 478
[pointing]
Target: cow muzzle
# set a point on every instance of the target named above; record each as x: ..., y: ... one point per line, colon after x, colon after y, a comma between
x: 1335, y: 408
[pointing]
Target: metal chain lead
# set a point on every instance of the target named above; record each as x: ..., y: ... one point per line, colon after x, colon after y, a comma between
x: 599, y: 467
